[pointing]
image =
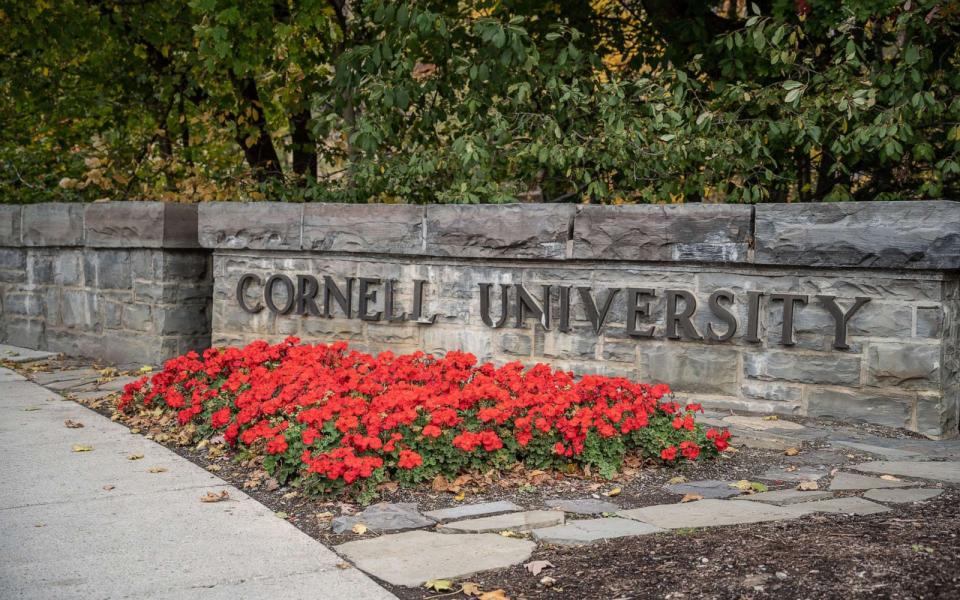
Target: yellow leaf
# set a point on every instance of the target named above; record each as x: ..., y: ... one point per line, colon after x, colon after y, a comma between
x: 509, y: 534
x: 135, y: 457
x: 614, y: 492
x: 82, y: 448
x: 890, y: 478
x: 459, y: 497
x: 439, y: 585
x: 743, y: 485
x: 214, y: 468
x: 771, y: 418
x: 157, y: 470
x: 677, y: 479
x: 808, y: 486
x: 359, y: 529
x: 146, y: 369
x: 791, y: 452
x: 469, y: 588
x: 343, y: 566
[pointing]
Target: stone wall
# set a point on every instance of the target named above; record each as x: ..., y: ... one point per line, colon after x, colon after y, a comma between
x: 897, y: 366
x: 121, y: 281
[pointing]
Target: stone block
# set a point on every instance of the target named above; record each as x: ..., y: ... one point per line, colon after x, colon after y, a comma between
x: 68, y: 268
x: 802, y: 368
x: 112, y: 314
x: 25, y: 333
x: 620, y: 350
x: 574, y: 345
x: 937, y: 415
x: 870, y: 405
x: 517, y: 344
x: 52, y: 224
x: 945, y: 471
x: 253, y: 225
x: 39, y: 267
x: 24, y: 304
x: 138, y: 317
x: 439, y: 339
x: 929, y: 321
x: 690, y: 368
x: 902, y: 235
x: 141, y: 225
x: 498, y: 231
x: 107, y: 269
x: 13, y: 258
x: 181, y: 320
x: 9, y: 225
x: 363, y: 228
x: 183, y: 265
x: 713, y: 233
x: 777, y: 392
x: 908, y: 366
x: 845, y: 482
x: 80, y: 310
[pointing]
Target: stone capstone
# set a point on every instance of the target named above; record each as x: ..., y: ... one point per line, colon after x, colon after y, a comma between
x: 384, y: 517
x: 414, y: 557
x: 586, y: 531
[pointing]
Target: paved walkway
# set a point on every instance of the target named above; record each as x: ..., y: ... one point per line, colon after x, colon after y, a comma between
x: 96, y: 524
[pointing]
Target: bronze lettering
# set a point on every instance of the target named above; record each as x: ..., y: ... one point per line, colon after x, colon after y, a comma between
x: 596, y: 317
x: 789, y: 301
x: 368, y: 296
x: 681, y: 319
x: 242, y: 288
x: 344, y: 300
x: 268, y: 294
x: 753, y: 317
x: 841, y: 318
x: 485, y: 305
x: 528, y: 307
x: 307, y: 289
x: 723, y: 314
x: 637, y: 310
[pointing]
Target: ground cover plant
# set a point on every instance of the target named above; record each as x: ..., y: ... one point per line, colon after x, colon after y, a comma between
x: 330, y: 419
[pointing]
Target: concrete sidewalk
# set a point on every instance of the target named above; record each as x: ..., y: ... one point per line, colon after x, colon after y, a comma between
x: 97, y: 525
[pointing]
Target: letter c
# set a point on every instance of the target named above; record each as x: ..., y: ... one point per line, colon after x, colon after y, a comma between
x: 241, y: 288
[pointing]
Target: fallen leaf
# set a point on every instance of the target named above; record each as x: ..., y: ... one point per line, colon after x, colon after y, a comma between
x: 157, y: 470
x: 388, y: 486
x: 439, y: 484
x: 343, y: 566
x: 808, y: 486
x: 791, y: 452
x: 510, y: 534
x: 214, y: 468
x: 31, y: 408
x: 82, y: 448
x: 890, y: 478
x: 459, y: 497
x: 538, y: 565
x: 324, y: 516
x: 135, y: 457
x: 547, y: 581
x: 677, y: 479
x: 281, y: 514
x: 71, y: 424
x: 215, y: 497
x: 614, y: 492
x: 359, y: 529
x: 470, y: 588
x: 271, y: 484
x: 743, y: 485
x: 439, y: 585
x: 771, y: 418
x: 107, y: 488
x: 40, y: 525
x: 290, y: 495
x: 145, y: 369
x: 756, y: 486
x: 494, y: 595
x: 691, y: 498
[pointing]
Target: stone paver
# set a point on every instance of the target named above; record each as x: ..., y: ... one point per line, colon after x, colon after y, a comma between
x: 708, y: 488
x: 761, y: 424
x: 384, y: 516
x: 805, y: 473
x: 583, y: 506
x: 891, y: 453
x: 939, y: 471
x: 586, y: 531
x: 472, y: 510
x: 903, y: 496
x: 413, y: 557
x: 7, y: 375
x: 847, y: 506
x: 521, y: 521
x: 63, y: 535
x: 851, y: 481
x: 117, y: 384
x: 707, y: 513
x: 18, y: 355
x: 787, y: 497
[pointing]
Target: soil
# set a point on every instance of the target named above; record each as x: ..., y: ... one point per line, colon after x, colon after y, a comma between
x: 911, y: 552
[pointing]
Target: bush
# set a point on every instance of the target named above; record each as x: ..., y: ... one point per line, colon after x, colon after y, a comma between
x: 331, y: 419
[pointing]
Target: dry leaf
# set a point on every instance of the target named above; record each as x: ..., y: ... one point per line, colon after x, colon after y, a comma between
x: 71, y: 424
x: 271, y: 484
x: 538, y: 565
x: 439, y: 484
x: 547, y: 581
x: 771, y: 418
x: 214, y: 468
x: 290, y: 495
x: 791, y: 452
x: 890, y: 478
x: 494, y: 595
x: 388, y: 486
x: 469, y: 588
x: 359, y: 529
x: 343, y: 566
x: 107, y: 488
x: 215, y: 497
x: 510, y: 534
x: 677, y: 479
x: 135, y: 457
x: 459, y: 497
x: 31, y: 408
x: 808, y: 486
x: 743, y: 485
x: 281, y: 514
x: 439, y: 585
x: 157, y: 470
x: 614, y: 492
x: 82, y: 448
x: 691, y: 498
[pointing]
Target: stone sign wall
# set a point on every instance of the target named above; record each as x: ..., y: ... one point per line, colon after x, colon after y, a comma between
x: 120, y: 281
x: 845, y: 310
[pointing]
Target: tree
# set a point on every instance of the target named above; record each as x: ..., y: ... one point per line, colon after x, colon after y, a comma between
x: 482, y: 101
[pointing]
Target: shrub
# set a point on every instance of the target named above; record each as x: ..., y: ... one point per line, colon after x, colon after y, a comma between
x: 332, y: 419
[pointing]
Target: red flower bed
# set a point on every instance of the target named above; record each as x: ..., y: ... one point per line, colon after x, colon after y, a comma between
x: 335, y: 418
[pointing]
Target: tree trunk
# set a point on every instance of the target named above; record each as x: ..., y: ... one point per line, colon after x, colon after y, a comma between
x: 260, y: 153
x: 304, y: 146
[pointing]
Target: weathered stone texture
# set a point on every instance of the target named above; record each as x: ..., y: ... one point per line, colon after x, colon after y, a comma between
x: 908, y: 366
x: 257, y: 225
x: 494, y: 231
x: 9, y: 225
x: 711, y: 233
x: 363, y: 228
x: 802, y: 368
x: 915, y: 235
x: 52, y: 224
x: 868, y: 404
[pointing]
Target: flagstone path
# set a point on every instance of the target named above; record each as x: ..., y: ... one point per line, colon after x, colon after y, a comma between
x: 447, y: 543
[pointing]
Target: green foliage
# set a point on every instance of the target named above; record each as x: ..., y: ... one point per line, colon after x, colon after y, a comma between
x: 481, y: 101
